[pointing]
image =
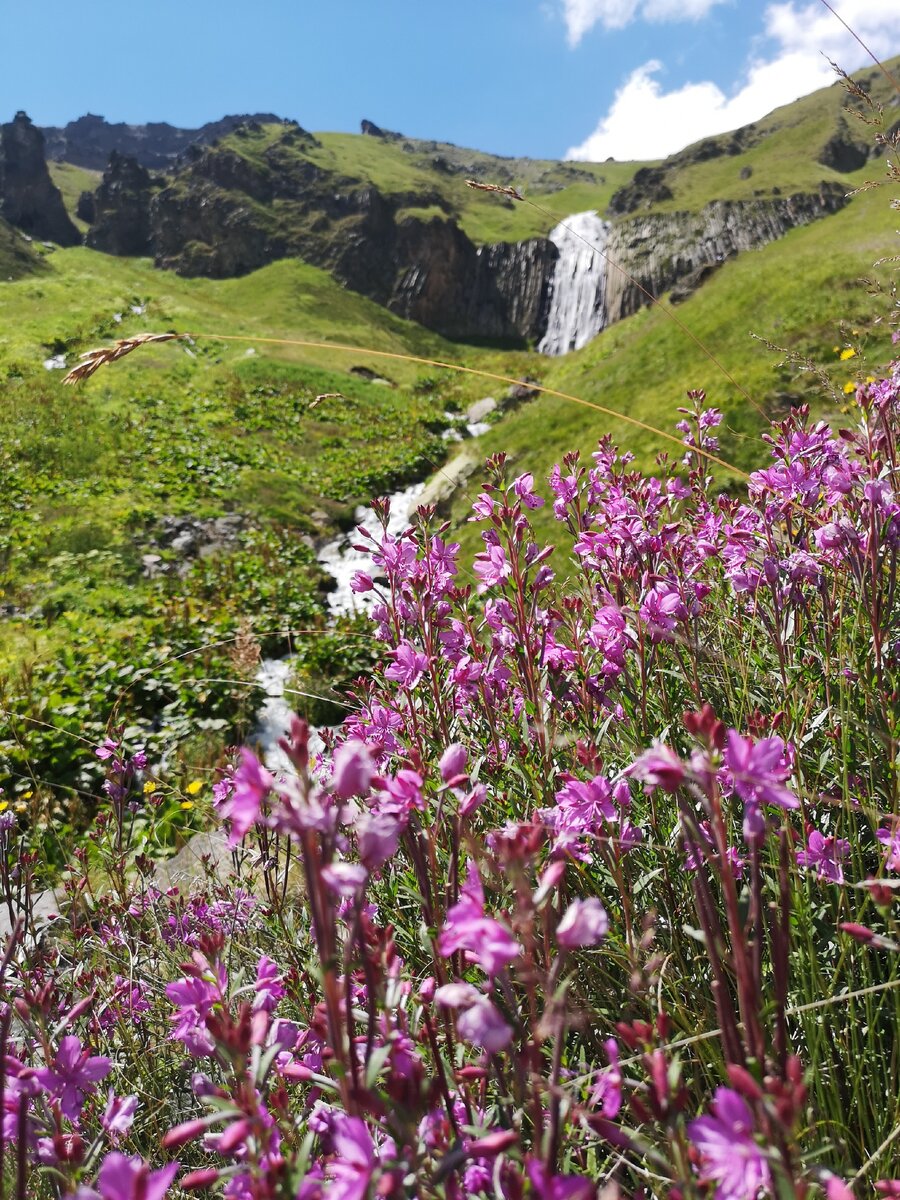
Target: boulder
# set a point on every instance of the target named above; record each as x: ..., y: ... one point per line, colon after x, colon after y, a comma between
x: 120, y: 222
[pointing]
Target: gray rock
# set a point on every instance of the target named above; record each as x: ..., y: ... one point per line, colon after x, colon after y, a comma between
x: 480, y: 409
x: 441, y: 488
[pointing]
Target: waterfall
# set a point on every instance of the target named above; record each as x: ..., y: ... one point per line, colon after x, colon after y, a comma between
x: 578, y: 287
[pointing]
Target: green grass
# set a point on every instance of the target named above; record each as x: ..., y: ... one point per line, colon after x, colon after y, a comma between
x: 72, y: 181
x: 17, y: 257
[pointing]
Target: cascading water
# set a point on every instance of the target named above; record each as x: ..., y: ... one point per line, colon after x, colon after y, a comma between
x: 578, y: 287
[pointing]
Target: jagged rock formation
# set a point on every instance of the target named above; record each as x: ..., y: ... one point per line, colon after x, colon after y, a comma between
x: 659, y: 249
x: 28, y: 198
x: 89, y: 141
x: 120, y: 208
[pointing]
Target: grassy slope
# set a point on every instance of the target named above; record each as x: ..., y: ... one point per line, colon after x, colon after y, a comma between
x: 17, y: 258
x: 72, y: 181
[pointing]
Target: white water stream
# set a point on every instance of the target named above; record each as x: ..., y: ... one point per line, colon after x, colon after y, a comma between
x: 578, y: 287
x: 341, y: 560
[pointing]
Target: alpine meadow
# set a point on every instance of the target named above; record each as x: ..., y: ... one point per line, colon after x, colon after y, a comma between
x: 450, y: 643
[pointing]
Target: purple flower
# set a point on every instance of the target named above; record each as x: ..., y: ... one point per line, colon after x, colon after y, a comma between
x: 119, y: 1115
x: 408, y: 666
x: 524, y: 489
x: 584, y: 923
x: 479, y: 1021
x: 378, y: 835
x: 195, y: 1000
x: 73, y: 1076
x: 729, y: 1156
x: 269, y: 987
x: 485, y: 941
x: 545, y: 1186
x: 492, y: 567
x: 352, y: 770
x: 123, y: 1178
x: 758, y: 771
x: 606, y: 1093
x: 659, y: 767
x: 350, y: 1170
x: 252, y: 784
x: 453, y: 762
x: 824, y: 854
x: 890, y: 839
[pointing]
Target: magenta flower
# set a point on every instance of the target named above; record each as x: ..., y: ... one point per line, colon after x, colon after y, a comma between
x: 729, y: 1156
x: 252, y: 784
x: 378, y: 835
x: 269, y: 987
x: 350, y: 1170
x: 823, y: 855
x: 73, y: 1076
x: 757, y: 771
x: 119, y: 1115
x: 352, y: 769
x: 606, y: 1092
x: 584, y: 923
x: 890, y: 839
x: 195, y: 1000
x: 492, y: 567
x: 479, y: 1020
x: 408, y: 666
x: 123, y: 1178
x: 453, y: 762
x: 524, y: 489
x: 659, y: 767
x: 545, y: 1186
x: 484, y: 940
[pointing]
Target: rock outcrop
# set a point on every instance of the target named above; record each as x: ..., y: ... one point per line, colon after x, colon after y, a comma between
x: 28, y: 198
x: 89, y: 141
x: 120, y: 209
x: 660, y: 249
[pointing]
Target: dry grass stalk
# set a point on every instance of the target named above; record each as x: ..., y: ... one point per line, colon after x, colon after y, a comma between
x: 93, y: 360
x: 495, y: 187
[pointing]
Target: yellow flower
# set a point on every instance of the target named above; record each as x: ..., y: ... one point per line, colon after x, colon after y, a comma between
x: 836, y: 349
x: 195, y: 786
x: 870, y: 379
x: 20, y: 807
x: 4, y: 805
x: 848, y: 353
x: 187, y: 805
x: 849, y: 387
x: 27, y: 795
x: 149, y: 787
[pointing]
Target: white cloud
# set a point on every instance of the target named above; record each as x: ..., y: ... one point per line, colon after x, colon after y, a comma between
x: 645, y: 121
x: 582, y: 15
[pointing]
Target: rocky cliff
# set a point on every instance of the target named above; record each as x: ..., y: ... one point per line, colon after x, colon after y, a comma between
x: 28, y: 198
x: 119, y: 210
x: 659, y: 249
x: 89, y: 141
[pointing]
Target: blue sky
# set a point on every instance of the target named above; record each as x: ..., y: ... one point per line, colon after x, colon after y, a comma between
x: 546, y: 78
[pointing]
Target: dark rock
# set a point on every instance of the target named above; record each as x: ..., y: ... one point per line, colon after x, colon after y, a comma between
x: 659, y: 249
x: 89, y: 141
x: 86, y: 209
x: 121, y: 209
x: 371, y: 376
x: 843, y: 152
x: 647, y: 187
x: 370, y: 129
x: 524, y: 390
x: 28, y: 198
x: 688, y: 284
x: 746, y: 172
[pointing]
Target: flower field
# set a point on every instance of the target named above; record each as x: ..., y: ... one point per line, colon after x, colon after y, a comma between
x: 593, y: 893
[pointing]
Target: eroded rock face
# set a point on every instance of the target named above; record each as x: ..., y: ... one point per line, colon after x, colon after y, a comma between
x: 120, y: 209
x: 28, y: 198
x: 660, y: 249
